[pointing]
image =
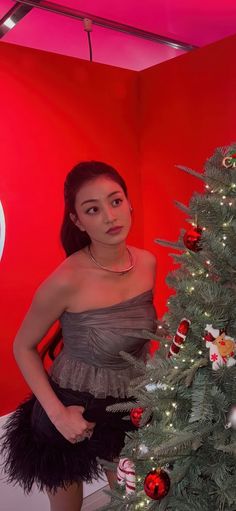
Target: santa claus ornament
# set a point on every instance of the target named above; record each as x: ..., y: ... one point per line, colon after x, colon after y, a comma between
x: 179, y: 337
x: 222, y: 347
x: 126, y: 475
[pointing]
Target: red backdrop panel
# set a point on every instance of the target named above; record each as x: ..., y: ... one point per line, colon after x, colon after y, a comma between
x: 187, y: 109
x: 55, y: 111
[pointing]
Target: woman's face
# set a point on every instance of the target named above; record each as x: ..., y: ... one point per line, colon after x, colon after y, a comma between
x: 101, y: 204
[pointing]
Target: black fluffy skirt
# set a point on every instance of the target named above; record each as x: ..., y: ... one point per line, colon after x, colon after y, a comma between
x: 34, y: 452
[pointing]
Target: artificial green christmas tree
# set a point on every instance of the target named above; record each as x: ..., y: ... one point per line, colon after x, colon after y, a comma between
x: 184, y: 451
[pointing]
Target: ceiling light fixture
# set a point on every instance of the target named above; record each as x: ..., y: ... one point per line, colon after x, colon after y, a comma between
x: 9, y: 23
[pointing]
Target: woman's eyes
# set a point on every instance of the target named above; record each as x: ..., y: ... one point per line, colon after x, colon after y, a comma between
x: 120, y: 200
x: 95, y: 207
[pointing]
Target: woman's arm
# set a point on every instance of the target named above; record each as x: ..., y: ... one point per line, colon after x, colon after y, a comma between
x: 49, y: 301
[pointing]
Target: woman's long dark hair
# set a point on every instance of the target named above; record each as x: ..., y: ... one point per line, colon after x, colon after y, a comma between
x: 72, y: 238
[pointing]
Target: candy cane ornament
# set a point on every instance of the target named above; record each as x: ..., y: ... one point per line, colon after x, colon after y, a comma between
x: 179, y: 337
x: 126, y: 474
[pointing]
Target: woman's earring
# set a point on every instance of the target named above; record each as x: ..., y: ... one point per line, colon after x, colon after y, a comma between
x: 131, y: 209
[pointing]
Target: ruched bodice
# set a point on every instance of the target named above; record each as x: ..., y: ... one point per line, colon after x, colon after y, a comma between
x: 90, y: 360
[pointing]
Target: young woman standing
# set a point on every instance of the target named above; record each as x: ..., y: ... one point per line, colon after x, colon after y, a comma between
x: 102, y: 294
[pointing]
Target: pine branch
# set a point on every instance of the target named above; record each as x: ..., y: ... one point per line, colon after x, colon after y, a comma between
x: 171, y: 244
x: 202, y: 409
x: 139, y: 364
x: 182, y: 207
x: 181, y: 441
x: 122, y: 407
x: 187, y: 375
x: 191, y: 172
x: 228, y: 449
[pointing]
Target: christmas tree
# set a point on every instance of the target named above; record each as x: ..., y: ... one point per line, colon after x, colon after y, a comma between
x: 182, y: 456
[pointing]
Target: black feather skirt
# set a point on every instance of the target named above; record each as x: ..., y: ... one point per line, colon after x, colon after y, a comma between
x: 35, y: 452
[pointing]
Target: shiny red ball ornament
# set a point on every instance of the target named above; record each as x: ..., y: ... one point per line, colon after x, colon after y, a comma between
x: 192, y: 238
x: 157, y: 484
x: 136, y: 415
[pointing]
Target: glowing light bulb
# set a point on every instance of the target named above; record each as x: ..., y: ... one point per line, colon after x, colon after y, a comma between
x: 9, y: 23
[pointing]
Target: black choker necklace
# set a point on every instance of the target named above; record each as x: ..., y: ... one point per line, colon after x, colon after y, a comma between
x: 121, y: 272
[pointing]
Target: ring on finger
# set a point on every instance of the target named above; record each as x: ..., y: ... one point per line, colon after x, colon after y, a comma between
x: 79, y: 439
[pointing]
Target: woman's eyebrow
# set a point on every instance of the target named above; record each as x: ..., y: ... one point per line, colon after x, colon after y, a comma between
x: 95, y: 200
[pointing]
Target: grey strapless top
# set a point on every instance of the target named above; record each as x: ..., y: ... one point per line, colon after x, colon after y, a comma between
x: 90, y: 360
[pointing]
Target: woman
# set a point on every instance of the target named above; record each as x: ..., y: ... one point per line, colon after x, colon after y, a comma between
x: 102, y: 295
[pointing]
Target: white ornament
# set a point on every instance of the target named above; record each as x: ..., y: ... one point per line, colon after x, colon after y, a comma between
x: 150, y: 387
x: 231, y: 419
x: 126, y: 474
x: 143, y: 449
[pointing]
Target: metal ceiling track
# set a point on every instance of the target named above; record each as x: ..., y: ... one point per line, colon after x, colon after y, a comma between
x: 15, y: 14
x: 105, y: 23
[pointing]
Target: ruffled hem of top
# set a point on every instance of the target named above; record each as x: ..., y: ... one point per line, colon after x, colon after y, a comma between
x: 99, y: 381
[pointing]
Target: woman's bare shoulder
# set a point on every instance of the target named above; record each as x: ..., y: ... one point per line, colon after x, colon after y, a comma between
x: 146, y: 255
x: 64, y: 276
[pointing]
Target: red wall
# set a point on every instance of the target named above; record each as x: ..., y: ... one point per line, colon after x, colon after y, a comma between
x: 187, y: 108
x: 55, y: 111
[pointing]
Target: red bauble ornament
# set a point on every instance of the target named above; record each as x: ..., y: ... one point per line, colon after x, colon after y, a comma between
x: 136, y: 415
x: 192, y: 238
x: 157, y: 484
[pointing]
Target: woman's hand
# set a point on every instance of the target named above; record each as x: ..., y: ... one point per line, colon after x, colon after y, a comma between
x: 72, y: 425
